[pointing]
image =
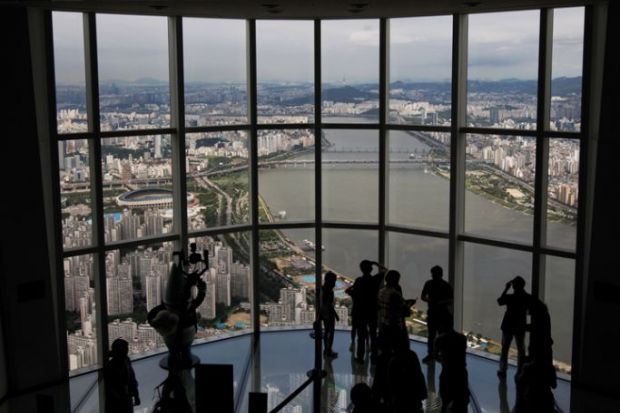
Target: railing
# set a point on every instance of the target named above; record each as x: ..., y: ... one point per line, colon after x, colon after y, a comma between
x: 298, y: 390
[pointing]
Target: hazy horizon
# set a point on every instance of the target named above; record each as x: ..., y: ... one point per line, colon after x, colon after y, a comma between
x: 501, y: 46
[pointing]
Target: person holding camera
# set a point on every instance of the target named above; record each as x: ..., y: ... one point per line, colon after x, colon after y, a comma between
x: 514, y: 322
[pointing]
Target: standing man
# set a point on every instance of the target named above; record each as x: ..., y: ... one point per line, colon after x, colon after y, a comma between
x: 364, y: 293
x: 393, y: 309
x: 514, y: 322
x: 439, y: 296
x: 451, y: 348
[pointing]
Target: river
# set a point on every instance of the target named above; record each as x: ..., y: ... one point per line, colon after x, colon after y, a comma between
x: 420, y: 198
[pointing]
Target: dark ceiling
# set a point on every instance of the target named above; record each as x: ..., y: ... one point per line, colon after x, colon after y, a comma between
x: 297, y: 9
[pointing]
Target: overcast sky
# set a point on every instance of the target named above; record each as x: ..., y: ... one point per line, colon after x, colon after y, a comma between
x: 501, y: 45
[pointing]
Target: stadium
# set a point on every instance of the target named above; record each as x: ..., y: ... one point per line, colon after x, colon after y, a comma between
x: 149, y: 198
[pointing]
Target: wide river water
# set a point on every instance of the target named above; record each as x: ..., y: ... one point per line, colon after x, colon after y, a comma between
x: 419, y: 198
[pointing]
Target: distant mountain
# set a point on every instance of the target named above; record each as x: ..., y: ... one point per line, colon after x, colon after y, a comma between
x: 144, y: 81
x: 561, y: 86
x: 149, y: 81
x: 503, y: 86
x: 564, y: 86
x: 347, y: 94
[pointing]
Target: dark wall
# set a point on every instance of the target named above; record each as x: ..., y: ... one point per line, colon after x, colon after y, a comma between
x: 31, y: 335
x: 597, y: 389
x: 3, y: 377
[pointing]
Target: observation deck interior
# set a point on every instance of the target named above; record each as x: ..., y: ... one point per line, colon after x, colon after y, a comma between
x: 285, y: 356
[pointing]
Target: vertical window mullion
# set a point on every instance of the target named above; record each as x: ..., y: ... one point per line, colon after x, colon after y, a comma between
x: 253, y: 166
x: 543, y: 102
x: 383, y: 109
x: 177, y: 121
x: 318, y: 209
x: 457, y: 161
x: 94, y: 126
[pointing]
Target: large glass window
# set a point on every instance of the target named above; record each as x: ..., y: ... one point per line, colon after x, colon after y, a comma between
x: 486, y: 272
x: 80, y: 311
x: 136, y: 280
x: 137, y: 187
x: 226, y: 306
x: 285, y: 70
x: 499, y: 182
x: 69, y: 70
x: 286, y: 175
x: 217, y: 179
x: 137, y: 225
x: 75, y: 193
x: 420, y: 70
x: 134, y: 88
x: 215, y: 75
x: 566, y: 69
x: 414, y: 256
x: 350, y: 72
x: 563, y: 193
x: 350, y: 164
x: 502, y: 70
x: 559, y: 293
x: 419, y: 179
x: 287, y: 277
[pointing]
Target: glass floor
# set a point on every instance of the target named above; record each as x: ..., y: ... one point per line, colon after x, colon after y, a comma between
x: 280, y: 366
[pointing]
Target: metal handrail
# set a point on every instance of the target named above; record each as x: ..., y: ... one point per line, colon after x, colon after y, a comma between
x: 295, y: 393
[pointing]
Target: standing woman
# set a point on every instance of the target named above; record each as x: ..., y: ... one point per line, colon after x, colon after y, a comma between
x: 121, y: 387
x: 328, y: 313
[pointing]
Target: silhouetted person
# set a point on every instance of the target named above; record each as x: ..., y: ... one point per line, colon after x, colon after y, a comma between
x: 502, y: 390
x: 513, y: 324
x: 380, y: 383
x: 364, y: 293
x: 535, y: 382
x: 328, y: 313
x: 541, y: 343
x: 121, y: 387
x: 406, y: 384
x: 537, y: 377
x: 432, y: 396
x: 450, y: 350
x: 393, y: 309
x: 439, y: 296
x: 361, y: 397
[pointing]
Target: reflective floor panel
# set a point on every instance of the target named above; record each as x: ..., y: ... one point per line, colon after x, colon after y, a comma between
x: 287, y: 356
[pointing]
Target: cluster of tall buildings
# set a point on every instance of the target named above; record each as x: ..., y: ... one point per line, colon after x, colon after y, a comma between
x: 293, y: 309
x: 225, y: 278
x: 418, y: 112
x: 515, y: 156
x: 129, y: 225
x: 80, y: 298
x: 229, y: 144
x: 135, y: 283
x: 279, y: 141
